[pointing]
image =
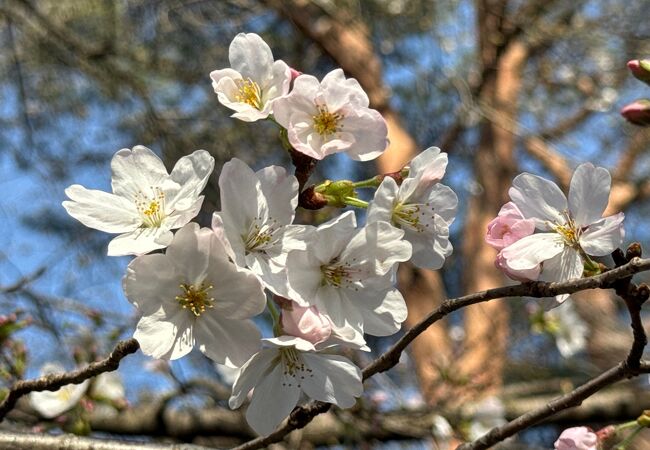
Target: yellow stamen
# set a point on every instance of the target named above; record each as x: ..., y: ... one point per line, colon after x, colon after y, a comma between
x: 249, y: 92
x: 325, y: 122
x: 195, y: 298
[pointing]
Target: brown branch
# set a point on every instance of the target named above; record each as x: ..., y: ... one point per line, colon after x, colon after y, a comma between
x: 25, y: 441
x: 53, y: 382
x: 302, y: 415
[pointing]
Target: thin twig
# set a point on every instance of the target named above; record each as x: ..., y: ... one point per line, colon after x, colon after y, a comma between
x: 55, y: 381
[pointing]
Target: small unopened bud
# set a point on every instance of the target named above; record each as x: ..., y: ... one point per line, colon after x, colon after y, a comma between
x: 637, y: 112
x: 640, y: 68
x: 644, y: 419
x: 306, y: 323
x: 294, y: 73
x: 634, y: 250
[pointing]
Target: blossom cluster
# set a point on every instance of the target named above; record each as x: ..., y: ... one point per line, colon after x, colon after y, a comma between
x: 542, y: 235
x: 324, y: 286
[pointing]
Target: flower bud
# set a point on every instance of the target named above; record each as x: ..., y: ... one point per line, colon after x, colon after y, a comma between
x: 640, y: 68
x: 295, y: 73
x: 508, y: 227
x: 637, y: 112
x: 306, y: 323
x: 577, y: 438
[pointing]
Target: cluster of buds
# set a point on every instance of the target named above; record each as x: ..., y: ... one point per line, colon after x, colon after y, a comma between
x: 638, y: 112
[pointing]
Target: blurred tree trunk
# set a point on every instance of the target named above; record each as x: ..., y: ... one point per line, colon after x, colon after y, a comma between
x: 486, y: 325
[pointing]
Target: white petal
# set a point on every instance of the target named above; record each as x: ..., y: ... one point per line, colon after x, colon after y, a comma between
x: 191, y: 173
x: 219, y: 231
x: 370, y: 134
x: 566, y: 266
x: 428, y: 167
x: 300, y: 99
x: 140, y: 241
x: 150, y: 282
x: 538, y: 198
x: 386, y: 319
x: 100, y: 210
x: 381, y: 208
x: 281, y: 192
x: 589, y: 193
x: 190, y: 251
x: 603, y: 236
x: 226, y: 341
x: 250, y: 374
x: 273, y: 400
x: 251, y: 56
x: 303, y: 275
x: 179, y: 218
x: 335, y: 379
x: 343, y: 91
x: 277, y: 86
x: 531, y: 250
x: 136, y: 170
x: 241, y: 198
x: 165, y: 335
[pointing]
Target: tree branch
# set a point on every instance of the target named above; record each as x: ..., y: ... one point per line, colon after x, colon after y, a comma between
x: 55, y: 381
x: 302, y: 415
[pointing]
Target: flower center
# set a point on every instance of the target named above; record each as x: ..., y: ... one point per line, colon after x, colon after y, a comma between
x: 249, y: 92
x: 151, y: 208
x: 325, y: 122
x: 261, y: 235
x: 415, y: 216
x: 569, y: 231
x: 338, y: 274
x: 294, y: 369
x: 195, y: 298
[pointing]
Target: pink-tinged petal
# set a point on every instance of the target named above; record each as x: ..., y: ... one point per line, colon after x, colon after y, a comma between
x: 370, y: 133
x: 531, y: 250
x: 603, y: 236
x: 589, y: 193
x: 101, y: 210
x: 577, y: 438
x: 220, y: 233
x: 250, y: 375
x: 539, y: 199
x: 165, y: 336
x: 300, y: 99
x: 250, y: 56
x: 136, y: 170
x: 273, y: 400
x: 226, y: 341
x: 306, y: 323
x: 506, y: 230
x: 334, y: 379
x: 240, y: 196
x: 140, y: 242
x: 517, y: 275
x: 565, y: 266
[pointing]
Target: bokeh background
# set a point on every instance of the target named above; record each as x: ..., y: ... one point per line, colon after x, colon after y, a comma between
x: 502, y: 86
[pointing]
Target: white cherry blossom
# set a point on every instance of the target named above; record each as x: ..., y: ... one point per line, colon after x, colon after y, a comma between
x: 420, y: 206
x: 193, y: 295
x: 288, y: 367
x: 147, y: 202
x: 348, y: 274
x: 254, y: 81
x: 258, y: 209
x: 331, y: 116
x: 50, y: 404
x: 570, y: 229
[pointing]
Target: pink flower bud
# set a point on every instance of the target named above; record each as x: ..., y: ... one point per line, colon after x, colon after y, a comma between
x: 508, y: 227
x: 306, y: 323
x: 577, y: 438
x: 518, y: 275
x: 640, y: 68
x: 294, y: 73
x: 637, y: 112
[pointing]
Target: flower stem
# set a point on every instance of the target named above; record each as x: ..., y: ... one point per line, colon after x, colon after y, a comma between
x: 624, y: 443
x: 275, y: 315
x: 373, y: 183
x: 353, y: 201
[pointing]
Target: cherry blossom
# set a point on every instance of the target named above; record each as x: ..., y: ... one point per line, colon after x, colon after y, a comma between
x: 331, y: 116
x: 348, y: 275
x: 146, y: 203
x: 508, y: 227
x: 571, y: 230
x: 258, y: 209
x: 193, y: 295
x: 306, y: 323
x: 254, y: 81
x: 288, y: 367
x: 50, y: 404
x: 420, y: 206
